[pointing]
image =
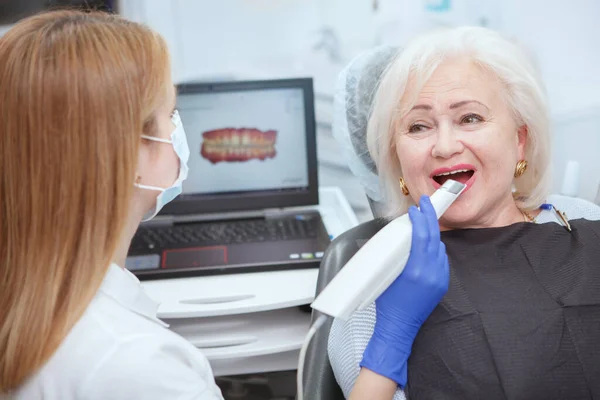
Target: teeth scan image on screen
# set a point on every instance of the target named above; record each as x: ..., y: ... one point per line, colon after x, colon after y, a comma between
x: 244, y: 141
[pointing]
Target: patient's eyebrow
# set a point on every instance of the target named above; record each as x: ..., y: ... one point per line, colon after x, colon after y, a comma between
x: 465, y: 102
x: 421, y: 107
x: 453, y: 106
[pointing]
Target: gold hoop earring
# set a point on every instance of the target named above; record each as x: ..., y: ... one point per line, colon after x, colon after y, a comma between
x: 520, y: 168
x: 403, y: 187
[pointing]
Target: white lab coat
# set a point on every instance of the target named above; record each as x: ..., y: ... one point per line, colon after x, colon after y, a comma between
x: 119, y: 349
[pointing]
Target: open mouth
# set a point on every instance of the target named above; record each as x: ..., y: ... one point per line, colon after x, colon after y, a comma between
x: 459, y: 175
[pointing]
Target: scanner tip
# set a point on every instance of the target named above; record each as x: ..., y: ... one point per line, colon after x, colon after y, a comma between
x: 453, y: 187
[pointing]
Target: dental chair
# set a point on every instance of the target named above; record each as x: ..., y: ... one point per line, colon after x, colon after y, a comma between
x: 319, y: 381
x: 357, y: 84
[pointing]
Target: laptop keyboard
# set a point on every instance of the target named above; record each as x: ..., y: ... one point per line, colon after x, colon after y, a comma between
x: 207, y: 233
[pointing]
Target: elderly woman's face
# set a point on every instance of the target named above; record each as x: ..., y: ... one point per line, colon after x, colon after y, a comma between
x: 461, y: 128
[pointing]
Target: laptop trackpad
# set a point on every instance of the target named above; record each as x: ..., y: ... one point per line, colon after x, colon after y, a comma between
x: 195, y: 257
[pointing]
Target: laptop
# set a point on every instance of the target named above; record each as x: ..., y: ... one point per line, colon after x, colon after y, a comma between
x: 252, y: 174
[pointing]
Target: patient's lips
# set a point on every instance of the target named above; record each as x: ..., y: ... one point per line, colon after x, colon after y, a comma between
x: 463, y: 173
x: 238, y: 145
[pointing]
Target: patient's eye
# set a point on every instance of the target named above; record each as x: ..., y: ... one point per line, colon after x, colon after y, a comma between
x: 416, y: 128
x: 471, y: 119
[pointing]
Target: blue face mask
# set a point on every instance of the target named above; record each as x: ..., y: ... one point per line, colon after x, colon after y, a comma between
x: 180, y: 145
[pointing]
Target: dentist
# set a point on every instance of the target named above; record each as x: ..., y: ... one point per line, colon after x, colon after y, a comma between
x: 90, y: 145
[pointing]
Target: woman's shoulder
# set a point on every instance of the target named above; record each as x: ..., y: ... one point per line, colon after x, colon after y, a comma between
x: 152, y: 367
x: 575, y: 208
x: 142, y: 358
x: 147, y: 360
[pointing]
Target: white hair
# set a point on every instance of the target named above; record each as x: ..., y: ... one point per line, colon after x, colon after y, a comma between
x: 525, y: 95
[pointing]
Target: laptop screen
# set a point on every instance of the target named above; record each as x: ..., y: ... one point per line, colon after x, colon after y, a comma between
x: 252, y: 146
x: 245, y: 141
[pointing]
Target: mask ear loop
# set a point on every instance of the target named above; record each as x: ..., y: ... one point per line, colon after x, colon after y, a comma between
x: 139, y: 185
x: 155, y: 188
x: 155, y: 139
x: 175, y: 119
x: 139, y: 178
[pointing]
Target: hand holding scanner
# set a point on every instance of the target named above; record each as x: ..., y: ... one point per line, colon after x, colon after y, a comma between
x: 379, y: 262
x: 372, y: 270
x: 403, y: 307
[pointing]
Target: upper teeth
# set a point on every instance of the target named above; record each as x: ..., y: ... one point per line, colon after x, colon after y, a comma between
x: 454, y: 172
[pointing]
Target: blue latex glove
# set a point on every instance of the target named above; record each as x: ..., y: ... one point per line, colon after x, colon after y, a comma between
x: 408, y: 301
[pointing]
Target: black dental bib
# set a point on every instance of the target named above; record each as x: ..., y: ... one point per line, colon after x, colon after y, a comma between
x: 521, y: 319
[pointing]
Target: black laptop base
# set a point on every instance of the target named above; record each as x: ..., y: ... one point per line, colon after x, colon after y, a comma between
x: 295, y: 241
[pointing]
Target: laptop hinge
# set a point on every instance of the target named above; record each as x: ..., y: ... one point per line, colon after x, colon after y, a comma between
x: 182, y: 219
x: 275, y: 212
x: 224, y: 216
x: 160, y: 220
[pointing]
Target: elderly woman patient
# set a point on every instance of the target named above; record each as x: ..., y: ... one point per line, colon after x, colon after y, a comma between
x: 501, y: 298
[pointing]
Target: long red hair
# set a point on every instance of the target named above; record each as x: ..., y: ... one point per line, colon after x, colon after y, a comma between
x: 77, y: 90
